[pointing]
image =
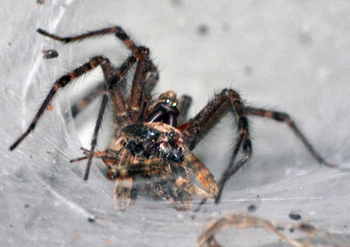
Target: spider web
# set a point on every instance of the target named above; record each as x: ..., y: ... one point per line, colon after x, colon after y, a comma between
x: 293, y: 56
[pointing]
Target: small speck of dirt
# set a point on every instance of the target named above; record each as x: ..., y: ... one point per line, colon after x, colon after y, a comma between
x: 92, y: 219
x: 203, y: 29
x: 49, y: 54
x: 252, y: 208
x: 294, y: 216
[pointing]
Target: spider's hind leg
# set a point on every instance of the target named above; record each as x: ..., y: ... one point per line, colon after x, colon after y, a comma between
x: 283, y: 117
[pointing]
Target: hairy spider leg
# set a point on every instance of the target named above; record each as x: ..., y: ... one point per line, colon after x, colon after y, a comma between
x: 112, y: 78
x: 97, y: 91
x: 197, y: 127
x: 60, y: 83
x: 283, y: 117
x: 144, y: 66
x: 139, y: 56
x: 120, y: 34
x: 140, y: 90
x: 139, y: 85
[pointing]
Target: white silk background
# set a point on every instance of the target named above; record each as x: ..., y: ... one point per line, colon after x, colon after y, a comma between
x: 291, y: 56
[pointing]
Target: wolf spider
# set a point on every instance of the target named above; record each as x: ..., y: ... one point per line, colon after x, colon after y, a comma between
x: 152, y: 138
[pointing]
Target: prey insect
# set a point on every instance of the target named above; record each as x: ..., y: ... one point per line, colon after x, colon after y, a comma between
x: 153, y: 139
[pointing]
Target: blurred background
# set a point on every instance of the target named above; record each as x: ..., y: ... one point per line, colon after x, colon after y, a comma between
x: 290, y: 56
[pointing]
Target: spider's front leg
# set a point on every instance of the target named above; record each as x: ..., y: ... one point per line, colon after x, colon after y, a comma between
x: 153, y: 73
x: 197, y: 127
x: 60, y: 83
x: 139, y: 56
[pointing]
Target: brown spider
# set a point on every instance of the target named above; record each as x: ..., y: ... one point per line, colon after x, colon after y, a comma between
x: 152, y: 140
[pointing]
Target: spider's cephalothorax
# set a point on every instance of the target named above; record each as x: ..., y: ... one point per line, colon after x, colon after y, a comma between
x: 153, y: 139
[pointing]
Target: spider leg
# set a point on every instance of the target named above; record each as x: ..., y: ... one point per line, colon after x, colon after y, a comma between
x: 197, y: 127
x: 116, y: 30
x: 137, y: 89
x: 60, y: 83
x: 145, y: 78
x: 76, y: 108
x: 152, y: 79
x: 153, y: 76
x: 139, y: 56
x: 283, y: 117
x: 99, y: 154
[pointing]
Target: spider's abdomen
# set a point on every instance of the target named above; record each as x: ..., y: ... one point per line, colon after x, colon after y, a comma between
x: 151, y: 140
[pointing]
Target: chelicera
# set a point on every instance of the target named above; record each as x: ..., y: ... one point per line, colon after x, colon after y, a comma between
x: 153, y: 139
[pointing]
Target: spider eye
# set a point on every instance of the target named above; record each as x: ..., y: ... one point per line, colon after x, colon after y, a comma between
x: 174, y: 104
x: 167, y: 101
